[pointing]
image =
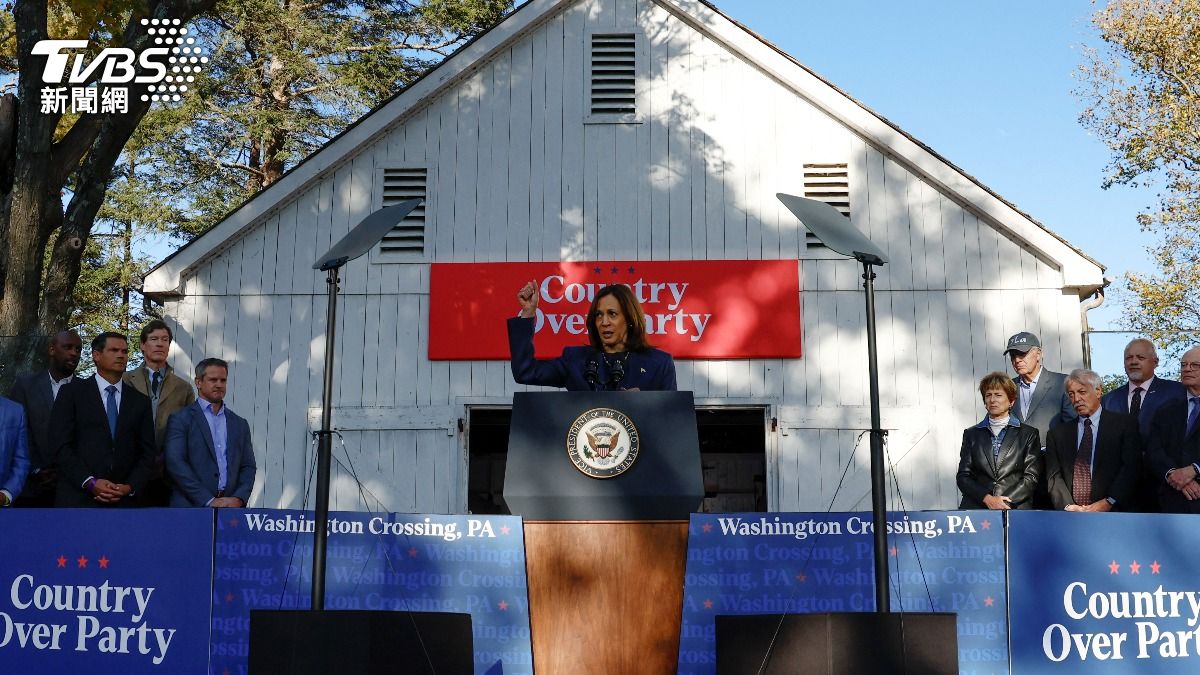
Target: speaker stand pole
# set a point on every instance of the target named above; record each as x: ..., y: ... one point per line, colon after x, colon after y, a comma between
x: 883, y: 595
x: 324, y: 450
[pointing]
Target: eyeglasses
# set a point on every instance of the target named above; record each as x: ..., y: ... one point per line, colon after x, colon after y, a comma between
x: 1186, y: 365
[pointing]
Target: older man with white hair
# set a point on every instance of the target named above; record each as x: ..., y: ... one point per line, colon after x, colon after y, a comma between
x: 1093, y: 464
x: 1174, y: 448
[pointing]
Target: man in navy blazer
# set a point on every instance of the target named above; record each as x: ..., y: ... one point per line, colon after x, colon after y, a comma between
x: 209, y: 454
x: 14, y: 451
x: 1173, y: 451
x: 1143, y: 396
x: 36, y: 392
x: 102, y: 433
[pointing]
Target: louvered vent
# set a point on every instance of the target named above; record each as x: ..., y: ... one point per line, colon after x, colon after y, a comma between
x: 407, y: 238
x: 829, y: 183
x: 613, y: 74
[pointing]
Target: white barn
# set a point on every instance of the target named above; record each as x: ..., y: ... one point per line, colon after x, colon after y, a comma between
x: 519, y: 160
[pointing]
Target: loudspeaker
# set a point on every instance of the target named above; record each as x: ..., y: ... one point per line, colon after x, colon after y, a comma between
x: 838, y: 644
x: 302, y: 642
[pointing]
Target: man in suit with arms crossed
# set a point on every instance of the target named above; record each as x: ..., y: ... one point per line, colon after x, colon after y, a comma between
x: 1094, y: 463
x: 168, y: 393
x: 210, y: 457
x: 1142, y: 396
x: 36, y: 392
x: 1174, y: 448
x: 102, y: 432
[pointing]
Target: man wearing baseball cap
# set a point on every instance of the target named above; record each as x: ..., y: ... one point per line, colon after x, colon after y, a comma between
x: 1041, y: 394
x: 1042, y: 400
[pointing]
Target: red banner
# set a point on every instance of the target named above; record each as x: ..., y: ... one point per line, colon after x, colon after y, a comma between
x: 718, y: 309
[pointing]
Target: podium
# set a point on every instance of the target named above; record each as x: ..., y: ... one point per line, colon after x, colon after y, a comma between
x: 605, y: 537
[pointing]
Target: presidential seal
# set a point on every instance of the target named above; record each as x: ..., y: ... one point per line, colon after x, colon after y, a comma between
x: 603, y: 443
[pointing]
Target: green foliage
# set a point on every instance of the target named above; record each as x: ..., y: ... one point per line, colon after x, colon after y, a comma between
x: 283, y: 79
x: 1141, y: 91
x: 1110, y: 382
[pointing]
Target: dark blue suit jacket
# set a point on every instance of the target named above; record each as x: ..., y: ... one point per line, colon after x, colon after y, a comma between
x: 33, y: 392
x: 651, y: 370
x: 14, y: 447
x: 83, y: 446
x: 1170, y: 447
x: 1161, y: 392
x: 192, y: 459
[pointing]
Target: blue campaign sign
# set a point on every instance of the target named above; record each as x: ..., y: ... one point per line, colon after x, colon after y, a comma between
x: 103, y: 590
x: 375, y: 561
x: 1104, y: 592
x: 801, y: 563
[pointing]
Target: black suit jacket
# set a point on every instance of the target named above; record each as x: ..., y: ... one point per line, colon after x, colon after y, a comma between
x: 1115, y: 467
x: 1169, y: 448
x: 85, y: 447
x: 1015, y: 474
x: 32, y: 391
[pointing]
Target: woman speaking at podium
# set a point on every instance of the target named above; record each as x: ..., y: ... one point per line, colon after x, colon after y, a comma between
x: 618, y: 358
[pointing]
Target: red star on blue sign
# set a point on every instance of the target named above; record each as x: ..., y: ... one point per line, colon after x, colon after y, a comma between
x: 62, y: 561
x: 104, y: 562
x: 81, y: 561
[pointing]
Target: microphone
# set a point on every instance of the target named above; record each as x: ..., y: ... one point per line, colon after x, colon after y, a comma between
x: 592, y: 373
x: 616, y: 373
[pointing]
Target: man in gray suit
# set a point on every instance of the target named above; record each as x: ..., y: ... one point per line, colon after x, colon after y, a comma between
x: 1041, y: 394
x: 36, y: 393
x: 1042, y: 401
x: 209, y: 454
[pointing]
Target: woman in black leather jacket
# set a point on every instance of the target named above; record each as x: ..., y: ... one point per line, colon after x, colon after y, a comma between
x: 1001, y: 459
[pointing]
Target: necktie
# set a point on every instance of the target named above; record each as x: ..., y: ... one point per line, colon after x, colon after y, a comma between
x: 111, y: 406
x: 1135, y: 407
x: 1081, y: 487
x: 1191, y: 423
x: 155, y: 382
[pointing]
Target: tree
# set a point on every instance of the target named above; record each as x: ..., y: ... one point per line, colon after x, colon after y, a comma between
x: 1142, y: 98
x: 47, y: 157
x: 285, y: 77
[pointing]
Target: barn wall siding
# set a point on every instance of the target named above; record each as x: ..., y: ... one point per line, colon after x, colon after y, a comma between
x: 515, y: 174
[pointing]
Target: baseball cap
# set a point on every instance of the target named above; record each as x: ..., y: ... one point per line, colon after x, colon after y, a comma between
x: 1022, y: 342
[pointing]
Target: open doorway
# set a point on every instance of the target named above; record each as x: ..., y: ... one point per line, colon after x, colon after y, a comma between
x: 732, y: 456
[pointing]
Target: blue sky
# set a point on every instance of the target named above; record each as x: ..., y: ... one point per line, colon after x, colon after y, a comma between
x: 988, y: 85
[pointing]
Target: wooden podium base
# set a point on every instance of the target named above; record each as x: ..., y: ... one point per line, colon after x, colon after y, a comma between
x: 605, y: 597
